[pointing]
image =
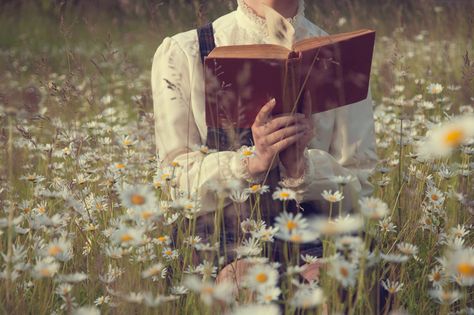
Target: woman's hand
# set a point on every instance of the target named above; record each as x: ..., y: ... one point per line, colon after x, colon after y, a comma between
x: 292, y: 157
x: 272, y: 136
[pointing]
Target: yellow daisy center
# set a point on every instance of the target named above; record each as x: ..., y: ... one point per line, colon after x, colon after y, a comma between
x: 137, y: 199
x: 284, y: 194
x: 45, y: 272
x: 147, y: 214
x: 161, y: 238
x: 296, y: 238
x: 168, y: 252
x: 208, y: 290
x: 466, y: 269
x: 126, y: 237
x: 344, y: 272
x: 255, y: 188
x: 247, y: 153
x: 454, y: 137
x: 291, y: 225
x: 54, y: 250
x: 436, y: 276
x: 434, y: 197
x: 120, y: 165
x: 445, y: 296
x: 261, y: 277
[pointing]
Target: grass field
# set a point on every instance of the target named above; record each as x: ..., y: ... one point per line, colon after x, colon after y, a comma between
x: 86, y: 208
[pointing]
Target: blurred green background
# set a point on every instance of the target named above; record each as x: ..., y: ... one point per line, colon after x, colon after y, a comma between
x: 34, y: 24
x: 114, y: 41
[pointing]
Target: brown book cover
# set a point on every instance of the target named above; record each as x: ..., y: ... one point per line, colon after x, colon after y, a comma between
x: 240, y: 79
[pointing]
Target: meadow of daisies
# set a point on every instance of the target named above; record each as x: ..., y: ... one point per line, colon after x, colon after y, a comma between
x: 92, y: 222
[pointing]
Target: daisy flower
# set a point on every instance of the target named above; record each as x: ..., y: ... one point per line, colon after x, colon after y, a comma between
x: 394, y: 258
x: 45, y: 268
x: 408, y: 249
x: 246, y: 151
x: 249, y: 247
x: 162, y: 240
x: 373, y: 208
x: 309, y: 259
x: 256, y: 309
x: 386, y: 225
x: 298, y: 236
x: 207, y: 269
x: 332, y: 197
x: 342, y: 180
x: 306, y: 298
x: 443, y: 296
x: 345, y: 242
x: 289, y: 222
x: 265, y: 234
x: 73, y: 277
x: 437, y: 276
x: 138, y: 197
x: 125, y: 236
x: 249, y: 226
x: 434, y: 88
x: 459, y: 231
x: 268, y: 295
x: 101, y: 300
x: 392, y: 286
x: 261, y: 277
x: 341, y: 225
x: 461, y: 266
x: 239, y: 196
x: 435, y: 196
x: 155, y: 270
x: 257, y: 189
x: 169, y: 253
x: 209, y: 291
x: 344, y: 272
x: 443, y: 139
x: 60, y: 249
x: 284, y: 194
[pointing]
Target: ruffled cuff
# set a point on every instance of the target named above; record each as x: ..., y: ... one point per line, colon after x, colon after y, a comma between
x: 239, y: 165
x: 298, y: 182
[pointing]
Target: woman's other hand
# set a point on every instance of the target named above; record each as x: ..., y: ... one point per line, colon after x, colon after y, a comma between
x: 273, y: 135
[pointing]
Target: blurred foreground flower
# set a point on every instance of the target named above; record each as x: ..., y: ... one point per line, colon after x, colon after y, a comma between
x: 443, y: 139
x: 255, y: 309
x: 209, y: 291
x: 461, y: 266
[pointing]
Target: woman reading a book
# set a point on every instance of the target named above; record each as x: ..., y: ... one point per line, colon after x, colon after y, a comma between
x: 311, y: 152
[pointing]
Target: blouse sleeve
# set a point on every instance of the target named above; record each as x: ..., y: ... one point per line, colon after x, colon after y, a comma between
x: 352, y: 153
x: 177, y: 136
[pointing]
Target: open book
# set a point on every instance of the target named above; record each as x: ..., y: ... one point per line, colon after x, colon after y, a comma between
x: 240, y: 79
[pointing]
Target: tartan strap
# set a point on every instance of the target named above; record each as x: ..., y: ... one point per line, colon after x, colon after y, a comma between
x: 206, y: 40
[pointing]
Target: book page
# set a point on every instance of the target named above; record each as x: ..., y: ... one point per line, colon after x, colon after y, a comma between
x: 261, y: 51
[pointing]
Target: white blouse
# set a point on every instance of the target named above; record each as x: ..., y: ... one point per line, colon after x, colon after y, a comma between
x: 343, y: 145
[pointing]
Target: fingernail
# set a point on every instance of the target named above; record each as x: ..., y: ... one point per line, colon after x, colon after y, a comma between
x: 273, y: 101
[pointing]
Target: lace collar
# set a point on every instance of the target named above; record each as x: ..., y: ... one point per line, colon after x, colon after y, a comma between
x: 258, y: 23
